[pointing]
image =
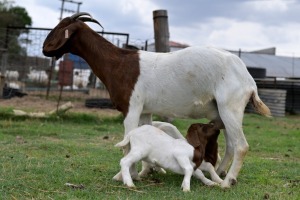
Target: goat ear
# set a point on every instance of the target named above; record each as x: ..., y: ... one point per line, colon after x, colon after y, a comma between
x: 58, y: 38
x: 204, y: 129
x: 192, y: 138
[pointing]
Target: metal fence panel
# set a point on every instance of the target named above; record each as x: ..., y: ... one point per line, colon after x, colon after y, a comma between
x: 25, y: 67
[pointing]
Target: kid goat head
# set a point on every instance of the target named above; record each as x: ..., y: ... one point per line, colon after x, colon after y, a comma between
x: 203, y: 137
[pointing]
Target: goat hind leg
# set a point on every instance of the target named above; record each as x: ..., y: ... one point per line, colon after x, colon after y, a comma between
x: 126, y: 163
x: 223, y: 166
x: 236, y: 139
x: 184, y: 163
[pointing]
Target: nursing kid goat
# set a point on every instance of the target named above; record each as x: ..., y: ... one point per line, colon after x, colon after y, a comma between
x: 195, y: 82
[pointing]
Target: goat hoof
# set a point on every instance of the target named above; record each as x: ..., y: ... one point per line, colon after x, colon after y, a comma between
x: 225, y: 185
x: 137, y: 178
x: 212, y: 184
x: 131, y: 185
x: 223, y: 174
x: 118, y: 177
x: 186, y: 190
x: 160, y: 170
x: 232, y: 181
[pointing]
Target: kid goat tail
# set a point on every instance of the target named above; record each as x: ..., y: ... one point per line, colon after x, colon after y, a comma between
x: 124, y: 142
x: 259, y: 106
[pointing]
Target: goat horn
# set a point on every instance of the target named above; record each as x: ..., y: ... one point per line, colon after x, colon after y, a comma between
x: 88, y: 19
x: 76, y: 15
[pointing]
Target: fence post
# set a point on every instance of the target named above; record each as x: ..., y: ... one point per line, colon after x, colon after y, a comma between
x: 161, y: 30
x: 2, y: 82
x: 3, y: 69
x: 50, y: 77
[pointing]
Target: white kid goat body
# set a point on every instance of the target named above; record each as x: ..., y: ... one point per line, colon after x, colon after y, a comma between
x: 155, y: 147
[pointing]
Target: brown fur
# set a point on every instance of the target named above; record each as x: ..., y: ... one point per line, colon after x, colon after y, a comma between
x: 117, y: 68
x: 203, y: 137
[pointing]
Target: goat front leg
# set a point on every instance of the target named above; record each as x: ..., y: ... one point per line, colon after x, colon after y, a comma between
x: 131, y: 122
x: 206, y: 166
x: 199, y: 175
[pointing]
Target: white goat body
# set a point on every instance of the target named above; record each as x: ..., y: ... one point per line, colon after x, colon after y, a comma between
x: 38, y: 76
x: 154, y: 146
x: 185, y: 83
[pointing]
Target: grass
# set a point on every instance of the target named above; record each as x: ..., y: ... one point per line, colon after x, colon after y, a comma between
x: 38, y: 156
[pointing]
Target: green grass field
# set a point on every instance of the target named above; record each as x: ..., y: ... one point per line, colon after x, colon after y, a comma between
x: 38, y: 156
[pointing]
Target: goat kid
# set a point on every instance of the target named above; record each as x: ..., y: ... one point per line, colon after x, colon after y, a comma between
x: 196, y: 82
x: 157, y: 148
x: 196, y: 138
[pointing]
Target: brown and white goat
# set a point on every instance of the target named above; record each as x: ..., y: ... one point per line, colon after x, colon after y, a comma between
x: 195, y: 82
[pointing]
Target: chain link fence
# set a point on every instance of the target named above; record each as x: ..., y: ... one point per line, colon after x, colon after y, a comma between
x: 24, y: 67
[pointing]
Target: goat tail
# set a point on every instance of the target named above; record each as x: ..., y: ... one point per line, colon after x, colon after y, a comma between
x: 259, y: 105
x: 124, y: 142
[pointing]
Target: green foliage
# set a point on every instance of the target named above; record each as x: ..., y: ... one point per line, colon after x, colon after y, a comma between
x: 38, y: 156
x: 13, y: 16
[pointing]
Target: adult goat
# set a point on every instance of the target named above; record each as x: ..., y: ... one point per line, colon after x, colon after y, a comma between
x: 195, y: 82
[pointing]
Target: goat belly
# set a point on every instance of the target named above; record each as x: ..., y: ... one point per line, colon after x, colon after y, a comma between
x: 166, y: 162
x: 194, y: 109
x: 166, y: 155
x: 178, y: 84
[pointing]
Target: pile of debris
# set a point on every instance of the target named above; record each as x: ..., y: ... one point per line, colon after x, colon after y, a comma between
x: 9, y: 92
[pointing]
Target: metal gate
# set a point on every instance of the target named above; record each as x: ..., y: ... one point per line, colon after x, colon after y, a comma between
x: 25, y: 67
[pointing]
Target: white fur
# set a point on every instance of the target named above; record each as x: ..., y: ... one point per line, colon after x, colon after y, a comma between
x: 154, y: 146
x: 172, y: 131
x: 195, y: 82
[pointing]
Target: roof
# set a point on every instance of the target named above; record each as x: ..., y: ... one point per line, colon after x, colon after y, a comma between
x: 177, y: 44
x: 276, y: 66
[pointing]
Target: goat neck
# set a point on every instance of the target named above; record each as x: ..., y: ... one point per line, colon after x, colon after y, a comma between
x: 117, y: 68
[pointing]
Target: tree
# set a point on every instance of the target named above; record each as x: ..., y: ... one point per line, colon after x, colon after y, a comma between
x: 12, y: 16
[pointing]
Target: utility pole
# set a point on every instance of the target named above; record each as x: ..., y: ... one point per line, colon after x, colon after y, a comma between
x: 62, y: 9
x: 53, y: 61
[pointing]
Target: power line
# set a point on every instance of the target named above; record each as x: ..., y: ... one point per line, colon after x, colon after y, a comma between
x: 62, y: 9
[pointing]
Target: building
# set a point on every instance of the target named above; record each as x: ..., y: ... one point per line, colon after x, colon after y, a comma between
x: 275, y: 66
x: 174, y: 46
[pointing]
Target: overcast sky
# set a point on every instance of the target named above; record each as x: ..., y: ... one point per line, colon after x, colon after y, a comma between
x: 230, y: 24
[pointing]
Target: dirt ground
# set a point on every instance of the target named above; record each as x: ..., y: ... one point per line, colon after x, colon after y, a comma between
x: 37, y: 102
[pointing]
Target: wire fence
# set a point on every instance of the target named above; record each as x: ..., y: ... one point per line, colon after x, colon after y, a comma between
x: 24, y: 66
